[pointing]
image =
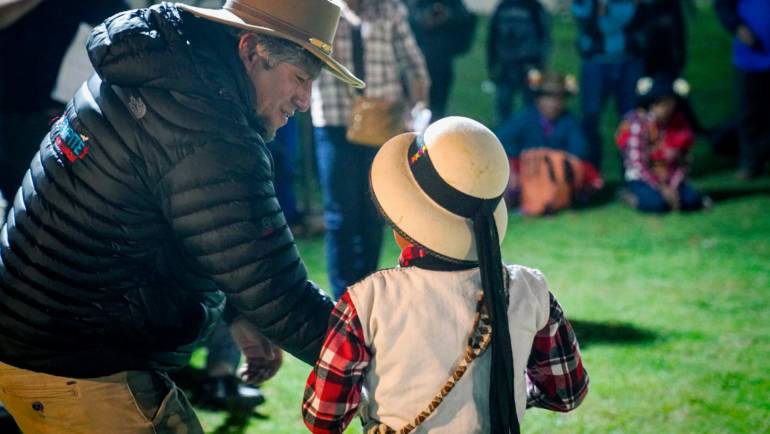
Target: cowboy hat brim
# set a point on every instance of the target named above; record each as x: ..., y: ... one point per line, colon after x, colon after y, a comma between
x: 228, y: 18
x: 414, y: 214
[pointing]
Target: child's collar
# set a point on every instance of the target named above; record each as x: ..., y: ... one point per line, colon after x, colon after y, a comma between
x: 418, y: 256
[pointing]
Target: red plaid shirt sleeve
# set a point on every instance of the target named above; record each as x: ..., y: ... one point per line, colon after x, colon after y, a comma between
x: 556, y: 379
x: 333, y: 389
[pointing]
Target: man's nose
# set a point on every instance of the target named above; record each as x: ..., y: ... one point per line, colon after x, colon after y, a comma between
x: 302, y: 98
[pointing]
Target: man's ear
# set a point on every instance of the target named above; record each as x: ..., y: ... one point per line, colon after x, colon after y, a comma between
x: 251, y: 52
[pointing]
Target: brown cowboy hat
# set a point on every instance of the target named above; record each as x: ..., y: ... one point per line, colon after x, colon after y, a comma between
x: 308, y: 23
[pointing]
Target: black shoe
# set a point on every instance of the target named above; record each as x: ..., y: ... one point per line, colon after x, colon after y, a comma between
x: 229, y: 394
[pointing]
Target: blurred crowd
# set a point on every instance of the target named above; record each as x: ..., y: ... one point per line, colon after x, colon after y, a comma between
x: 633, y: 52
x: 620, y: 42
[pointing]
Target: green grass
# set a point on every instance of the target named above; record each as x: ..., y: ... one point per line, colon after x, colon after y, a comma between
x: 670, y: 310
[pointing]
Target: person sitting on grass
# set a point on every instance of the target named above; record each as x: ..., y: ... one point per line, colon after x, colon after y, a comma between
x: 451, y: 310
x: 547, y: 150
x: 655, y: 140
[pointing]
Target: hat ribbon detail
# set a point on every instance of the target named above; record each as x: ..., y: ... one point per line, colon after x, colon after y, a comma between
x: 502, y: 401
x: 279, y: 24
x: 446, y: 196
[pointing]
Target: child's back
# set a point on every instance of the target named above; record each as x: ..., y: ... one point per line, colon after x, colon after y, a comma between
x: 450, y: 342
x: 416, y: 324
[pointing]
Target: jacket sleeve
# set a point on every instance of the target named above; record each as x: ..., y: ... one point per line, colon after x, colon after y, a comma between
x: 556, y: 378
x: 589, y: 35
x: 220, y: 203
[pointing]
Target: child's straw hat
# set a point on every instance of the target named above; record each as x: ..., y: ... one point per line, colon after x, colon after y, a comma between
x: 430, y: 186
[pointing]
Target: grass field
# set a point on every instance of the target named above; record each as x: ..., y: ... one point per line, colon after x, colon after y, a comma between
x: 671, y: 311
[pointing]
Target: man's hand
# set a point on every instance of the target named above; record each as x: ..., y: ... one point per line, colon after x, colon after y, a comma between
x: 420, y: 116
x: 263, y: 358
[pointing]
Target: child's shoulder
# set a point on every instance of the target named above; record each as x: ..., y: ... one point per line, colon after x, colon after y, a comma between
x: 387, y: 284
x: 525, y: 278
x: 379, y: 277
x: 517, y: 271
x: 400, y: 278
x: 386, y: 278
x: 526, y: 283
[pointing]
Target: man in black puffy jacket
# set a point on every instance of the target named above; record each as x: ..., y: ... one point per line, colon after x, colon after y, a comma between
x: 150, y: 211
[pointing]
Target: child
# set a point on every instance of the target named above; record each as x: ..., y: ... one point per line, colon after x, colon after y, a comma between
x: 547, y: 150
x: 656, y: 140
x: 397, y: 335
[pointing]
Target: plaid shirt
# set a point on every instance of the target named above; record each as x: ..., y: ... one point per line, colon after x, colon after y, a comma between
x: 390, y: 55
x: 556, y: 379
x: 655, y: 155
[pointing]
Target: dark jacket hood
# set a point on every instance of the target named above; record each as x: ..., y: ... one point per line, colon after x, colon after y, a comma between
x: 153, y: 47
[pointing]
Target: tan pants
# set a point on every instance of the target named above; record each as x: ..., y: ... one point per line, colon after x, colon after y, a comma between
x: 132, y: 402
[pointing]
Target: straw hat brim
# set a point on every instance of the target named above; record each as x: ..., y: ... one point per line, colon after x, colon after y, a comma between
x: 414, y: 214
x: 228, y: 18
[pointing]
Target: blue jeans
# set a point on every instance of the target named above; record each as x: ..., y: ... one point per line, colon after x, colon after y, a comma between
x: 353, y: 224
x: 650, y: 200
x: 513, y: 83
x: 284, y: 150
x: 598, y: 80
